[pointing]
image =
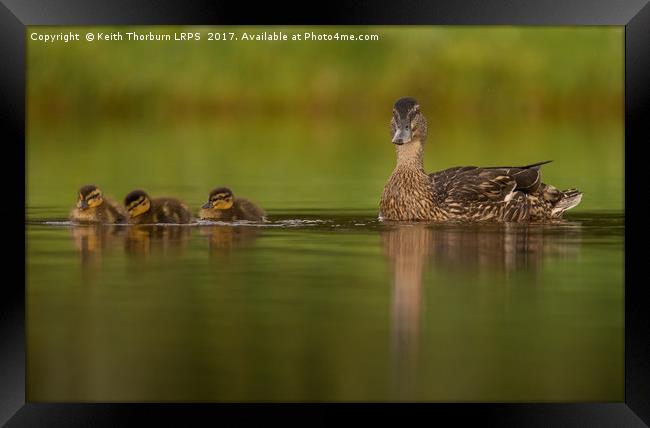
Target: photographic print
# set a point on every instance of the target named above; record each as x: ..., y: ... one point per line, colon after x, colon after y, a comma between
x: 325, y: 213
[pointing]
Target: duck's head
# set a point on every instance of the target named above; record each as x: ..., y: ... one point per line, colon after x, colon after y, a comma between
x: 90, y: 196
x: 137, y: 203
x: 220, y: 198
x: 408, y: 123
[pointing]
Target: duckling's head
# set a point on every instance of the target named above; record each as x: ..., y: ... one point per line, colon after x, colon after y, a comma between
x: 408, y: 123
x: 137, y: 203
x: 90, y: 196
x: 220, y: 198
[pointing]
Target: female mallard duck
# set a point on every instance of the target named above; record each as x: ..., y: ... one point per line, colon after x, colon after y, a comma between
x: 222, y: 205
x: 144, y: 210
x: 462, y: 193
x: 92, y: 207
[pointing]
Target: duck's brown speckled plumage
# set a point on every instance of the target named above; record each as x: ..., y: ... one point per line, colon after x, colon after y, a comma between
x: 462, y: 193
x: 93, y: 207
x: 160, y: 210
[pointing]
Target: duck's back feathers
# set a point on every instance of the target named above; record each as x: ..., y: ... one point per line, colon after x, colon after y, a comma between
x: 500, y: 193
x: 471, y: 184
x: 479, y: 194
x: 527, y: 178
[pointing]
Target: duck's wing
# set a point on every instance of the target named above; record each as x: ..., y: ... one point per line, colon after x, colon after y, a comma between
x: 527, y: 178
x: 464, y: 186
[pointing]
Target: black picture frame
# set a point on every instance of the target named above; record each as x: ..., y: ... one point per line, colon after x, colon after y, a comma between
x: 15, y: 15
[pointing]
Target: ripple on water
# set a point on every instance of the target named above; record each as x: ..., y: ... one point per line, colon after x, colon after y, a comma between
x: 277, y: 223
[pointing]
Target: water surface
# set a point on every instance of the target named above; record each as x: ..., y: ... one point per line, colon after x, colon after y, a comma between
x: 325, y: 305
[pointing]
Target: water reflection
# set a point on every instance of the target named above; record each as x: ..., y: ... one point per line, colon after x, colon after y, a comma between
x: 93, y: 242
x: 269, y: 312
x: 143, y: 241
x: 223, y: 239
x: 502, y: 248
x: 498, y: 250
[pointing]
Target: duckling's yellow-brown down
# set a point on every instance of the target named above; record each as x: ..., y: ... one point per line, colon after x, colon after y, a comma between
x: 144, y: 210
x: 92, y: 207
x: 222, y: 205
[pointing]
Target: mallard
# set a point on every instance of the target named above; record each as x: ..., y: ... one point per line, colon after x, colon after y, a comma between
x: 466, y: 193
x: 222, y: 205
x: 92, y: 207
x: 144, y: 210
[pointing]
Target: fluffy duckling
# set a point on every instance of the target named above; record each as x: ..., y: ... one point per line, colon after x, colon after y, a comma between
x: 92, y: 207
x: 222, y: 205
x: 144, y: 210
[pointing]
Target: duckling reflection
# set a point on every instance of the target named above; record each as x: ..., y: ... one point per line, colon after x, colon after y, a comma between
x: 93, y: 242
x: 148, y: 240
x: 498, y: 249
x: 224, y: 239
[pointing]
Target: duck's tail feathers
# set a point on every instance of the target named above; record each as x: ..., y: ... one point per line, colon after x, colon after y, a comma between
x: 537, y: 165
x: 570, y: 198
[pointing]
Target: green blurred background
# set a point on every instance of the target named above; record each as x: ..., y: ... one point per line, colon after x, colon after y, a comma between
x: 304, y: 125
x: 331, y: 305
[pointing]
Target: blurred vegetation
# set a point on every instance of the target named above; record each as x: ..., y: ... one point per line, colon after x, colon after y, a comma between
x: 305, y: 124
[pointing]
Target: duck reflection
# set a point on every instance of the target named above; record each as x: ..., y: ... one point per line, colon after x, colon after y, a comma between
x: 93, y: 241
x: 498, y: 249
x: 407, y: 248
x: 502, y: 248
x: 143, y: 241
x: 223, y: 239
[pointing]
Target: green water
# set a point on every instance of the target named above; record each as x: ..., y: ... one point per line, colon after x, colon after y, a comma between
x: 323, y: 303
x: 326, y: 306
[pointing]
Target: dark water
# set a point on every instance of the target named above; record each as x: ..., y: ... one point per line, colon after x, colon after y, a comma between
x: 327, y: 306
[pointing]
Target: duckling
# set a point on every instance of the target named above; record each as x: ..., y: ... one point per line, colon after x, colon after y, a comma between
x: 92, y: 207
x: 222, y: 205
x: 467, y: 193
x: 144, y: 210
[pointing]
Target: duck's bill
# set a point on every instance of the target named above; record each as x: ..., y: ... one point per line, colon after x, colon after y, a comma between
x: 82, y: 205
x: 401, y: 136
x: 207, y: 205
